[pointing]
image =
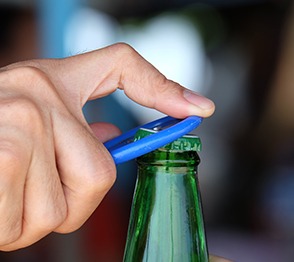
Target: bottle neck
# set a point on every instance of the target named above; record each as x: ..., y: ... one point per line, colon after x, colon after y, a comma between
x: 166, y: 221
x: 169, y: 159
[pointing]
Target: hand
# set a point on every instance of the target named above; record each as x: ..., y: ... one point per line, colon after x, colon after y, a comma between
x: 54, y: 168
x: 218, y: 259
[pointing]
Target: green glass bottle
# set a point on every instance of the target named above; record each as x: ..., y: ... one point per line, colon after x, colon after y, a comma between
x: 166, y: 221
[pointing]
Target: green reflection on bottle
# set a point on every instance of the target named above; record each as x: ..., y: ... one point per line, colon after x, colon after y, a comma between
x: 166, y: 222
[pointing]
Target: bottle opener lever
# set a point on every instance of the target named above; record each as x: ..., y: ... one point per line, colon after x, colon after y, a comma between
x: 123, y: 148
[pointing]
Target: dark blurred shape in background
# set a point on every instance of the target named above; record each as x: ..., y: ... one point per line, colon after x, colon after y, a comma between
x: 18, y: 34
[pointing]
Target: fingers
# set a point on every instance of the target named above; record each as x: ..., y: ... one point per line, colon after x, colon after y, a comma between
x: 32, y: 203
x: 54, y: 169
x: 218, y: 259
x: 15, y: 156
x: 12, y: 177
x: 64, y: 171
x: 104, y: 131
x: 101, y: 72
x: 145, y: 85
x: 86, y: 169
x: 44, y: 206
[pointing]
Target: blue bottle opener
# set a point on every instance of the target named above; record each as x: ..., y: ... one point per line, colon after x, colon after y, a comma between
x: 123, y: 148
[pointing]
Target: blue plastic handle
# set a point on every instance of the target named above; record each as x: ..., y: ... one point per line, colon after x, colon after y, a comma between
x: 123, y: 148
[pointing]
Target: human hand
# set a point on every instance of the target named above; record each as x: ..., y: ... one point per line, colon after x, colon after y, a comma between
x: 54, y: 168
x: 218, y: 259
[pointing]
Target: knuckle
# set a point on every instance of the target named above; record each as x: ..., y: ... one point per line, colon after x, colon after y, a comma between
x: 49, y: 222
x: 9, y: 236
x: 31, y: 79
x: 123, y: 48
x: 10, y: 165
x: 19, y: 76
x: 11, y: 175
x: 107, y: 179
x: 28, y: 74
x: 164, y: 85
x: 51, y: 215
x: 164, y: 88
x: 123, y: 51
x: 24, y: 112
x: 10, y: 232
x: 8, y: 156
x: 102, y: 181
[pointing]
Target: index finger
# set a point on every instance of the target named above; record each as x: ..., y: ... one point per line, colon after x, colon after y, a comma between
x: 99, y: 73
x: 144, y: 84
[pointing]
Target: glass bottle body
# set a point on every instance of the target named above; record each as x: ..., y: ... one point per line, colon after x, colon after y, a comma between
x: 166, y: 222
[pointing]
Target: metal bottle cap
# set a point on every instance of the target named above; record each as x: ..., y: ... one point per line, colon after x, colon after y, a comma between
x: 185, y: 143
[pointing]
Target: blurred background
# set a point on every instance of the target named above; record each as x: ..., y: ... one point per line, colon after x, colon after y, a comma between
x: 238, y: 53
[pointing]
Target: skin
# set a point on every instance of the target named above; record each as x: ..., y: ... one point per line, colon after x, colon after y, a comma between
x: 54, y: 168
x: 218, y: 259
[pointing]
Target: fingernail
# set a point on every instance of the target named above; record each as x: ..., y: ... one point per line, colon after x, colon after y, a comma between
x: 198, y: 100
